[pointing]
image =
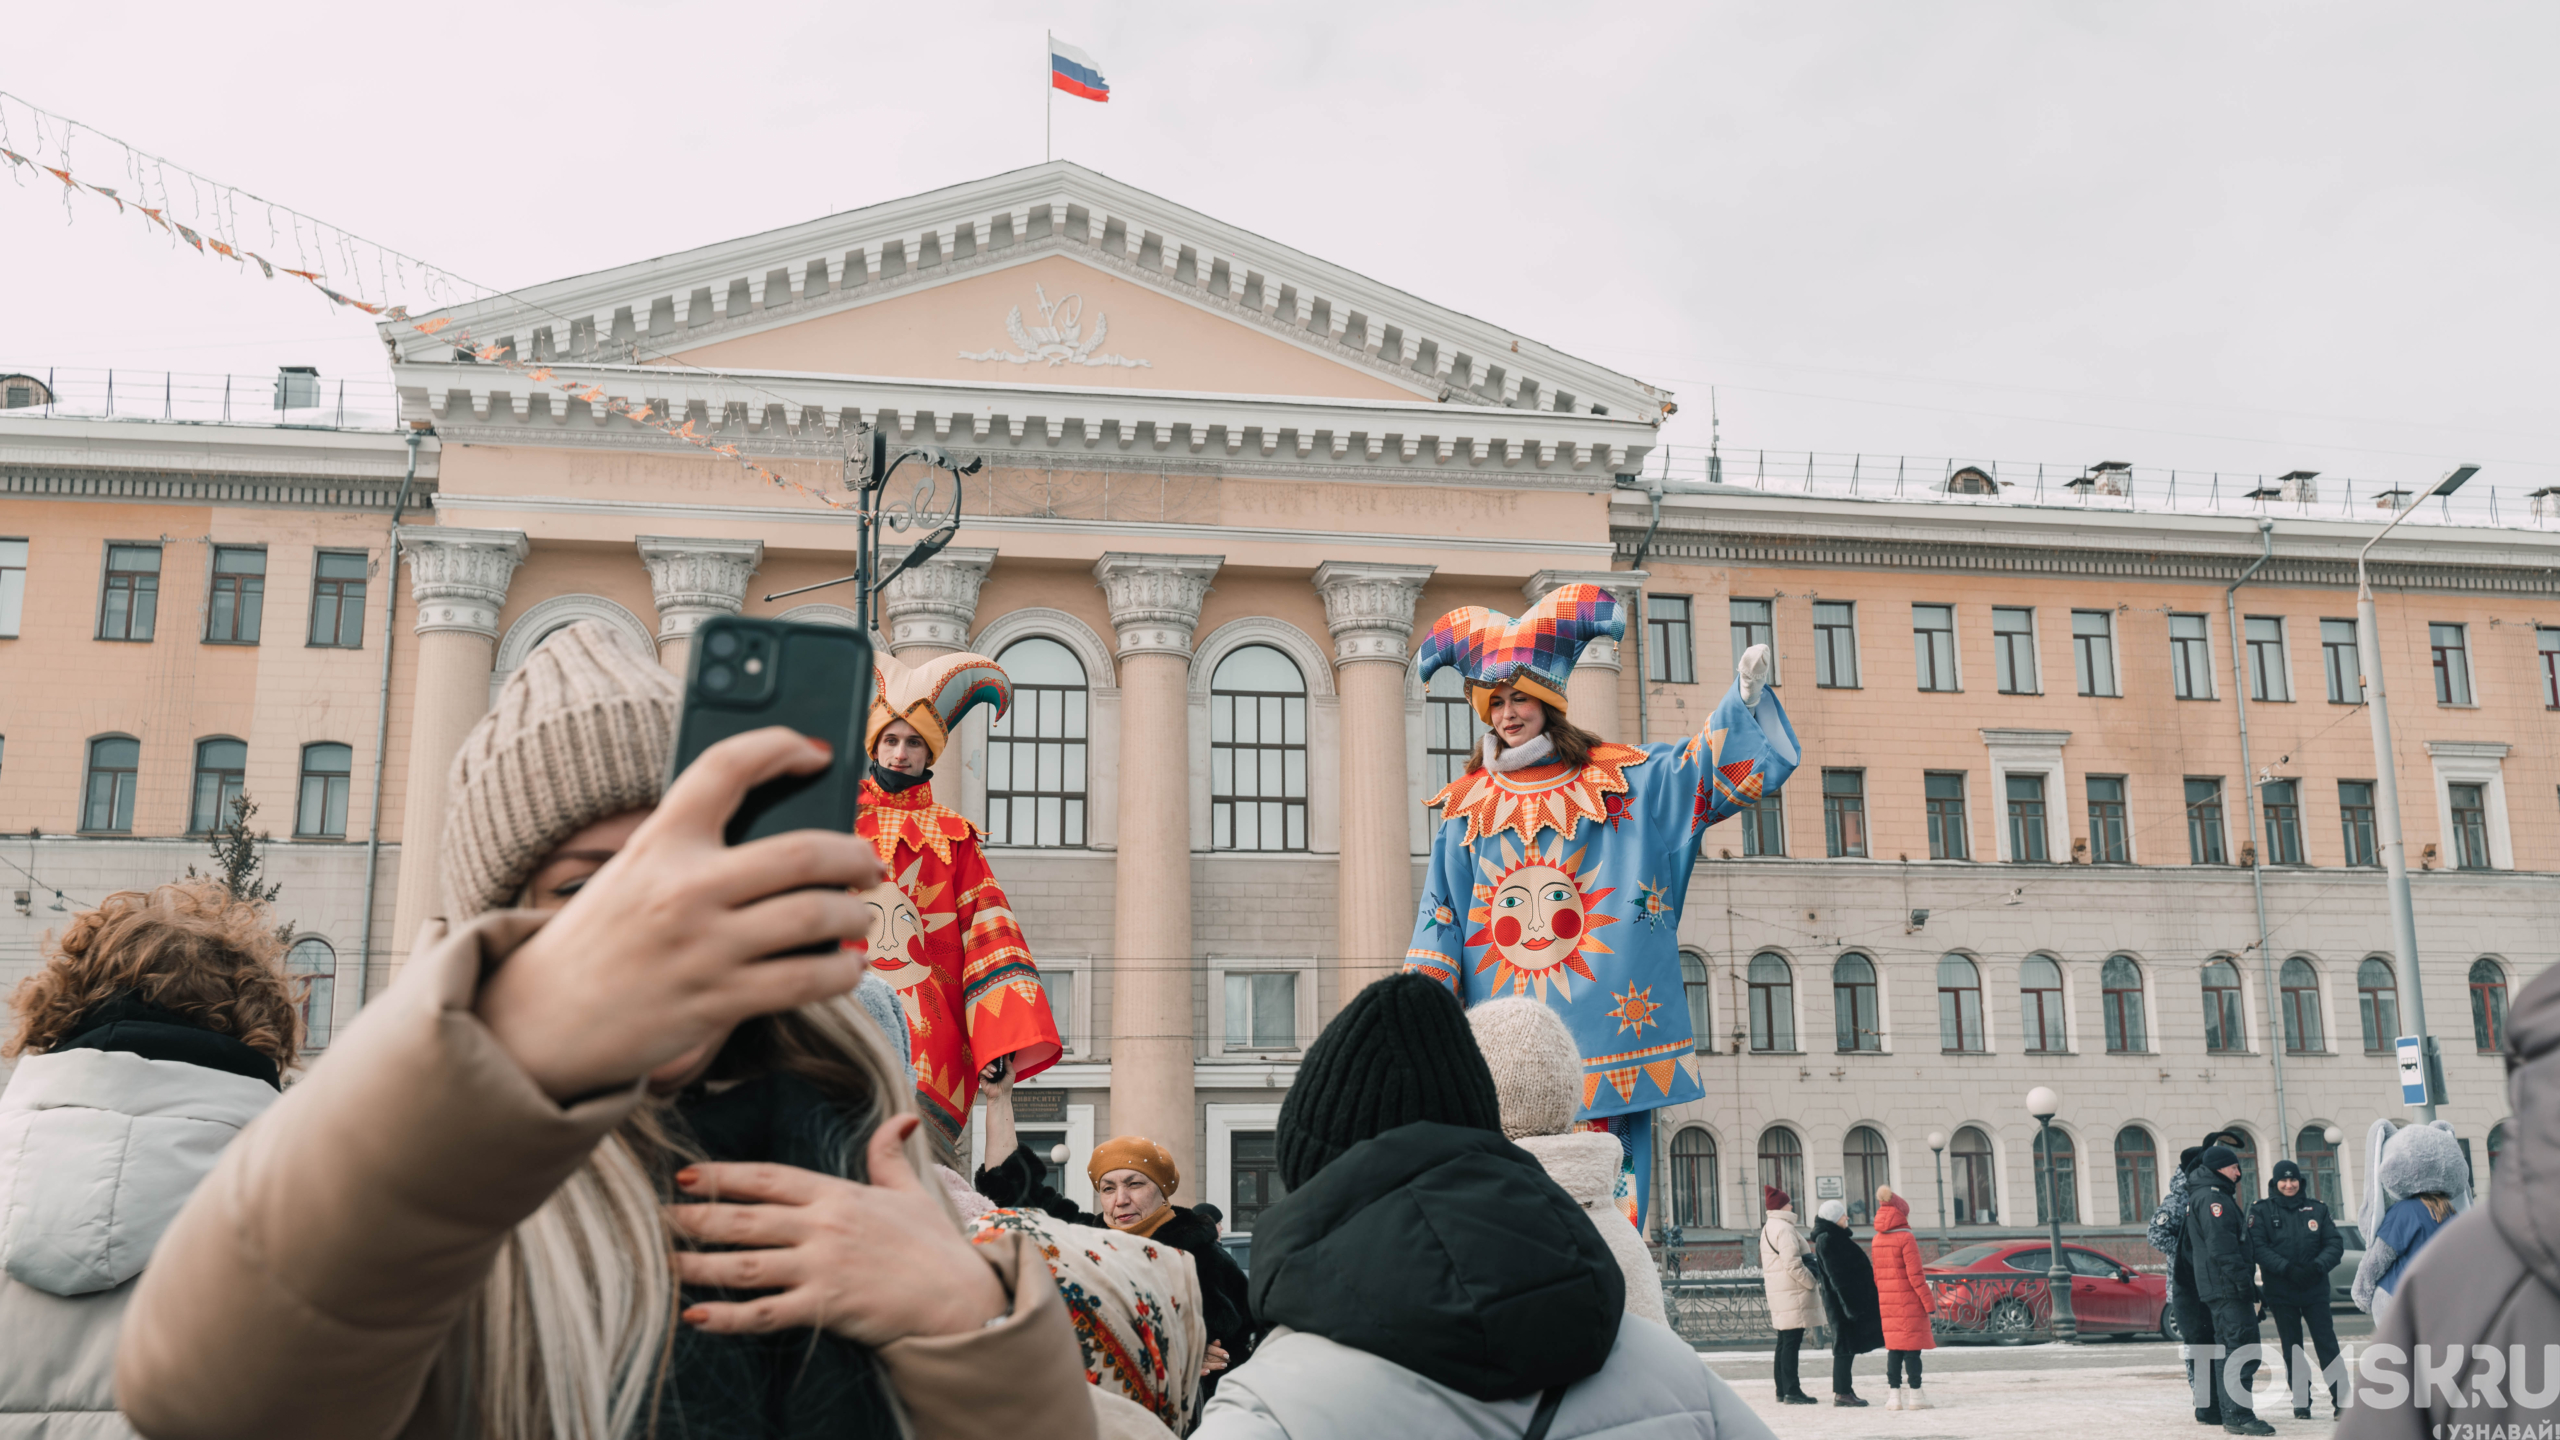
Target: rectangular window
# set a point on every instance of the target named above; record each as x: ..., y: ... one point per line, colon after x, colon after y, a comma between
x: 1933, y: 644
x: 1262, y: 1011
x: 2545, y: 640
x: 1669, y: 657
x: 221, y: 767
x: 2110, y: 839
x: 1755, y: 623
x: 2093, y: 651
x: 1949, y: 836
x: 2338, y: 659
x: 1835, y: 645
x: 2013, y: 647
x: 1764, y: 827
x: 2204, y: 822
x: 2190, y: 657
x: 337, y: 601
x: 130, y: 599
x: 2026, y: 818
x: 326, y: 770
x: 2355, y: 818
x: 114, y: 765
x: 239, y: 595
x: 13, y: 586
x: 2453, y: 664
x: 2282, y: 802
x: 2470, y: 826
x: 1844, y: 812
x: 1059, y: 984
x: 1256, y: 1171
x: 2268, y: 677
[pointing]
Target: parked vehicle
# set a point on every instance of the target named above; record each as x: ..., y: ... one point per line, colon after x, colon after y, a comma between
x: 1998, y: 1291
x: 2342, y: 1276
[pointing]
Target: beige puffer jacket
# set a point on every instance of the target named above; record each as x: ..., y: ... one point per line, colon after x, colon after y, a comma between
x: 1794, y: 1302
x: 310, y: 1285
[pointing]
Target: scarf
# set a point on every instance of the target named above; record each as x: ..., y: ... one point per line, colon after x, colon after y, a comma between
x: 1135, y: 1306
x: 1539, y: 749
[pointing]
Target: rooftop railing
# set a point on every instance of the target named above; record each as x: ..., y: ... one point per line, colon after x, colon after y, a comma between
x: 288, y: 398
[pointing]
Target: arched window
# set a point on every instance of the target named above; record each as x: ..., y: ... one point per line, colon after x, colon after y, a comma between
x: 2488, y: 1004
x: 1863, y: 1161
x: 2319, y: 1161
x: 2377, y: 1004
x: 1450, y: 730
x: 1036, y: 753
x: 2057, y: 1179
x: 1773, y: 1005
x: 221, y: 768
x: 2120, y: 983
x: 1959, y: 1005
x: 2040, y: 1006
x: 1698, y: 983
x: 2137, y: 1176
x: 2224, y: 1034
x: 327, y: 770
x: 1782, y: 1162
x: 1693, y: 1179
x: 1257, y: 752
x: 115, y: 763
x: 2247, y: 1145
x: 2300, y: 985
x: 1970, y: 1159
x: 315, y: 965
x: 1853, y: 1003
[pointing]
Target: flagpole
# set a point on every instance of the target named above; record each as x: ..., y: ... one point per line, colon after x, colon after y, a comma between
x: 1049, y: 106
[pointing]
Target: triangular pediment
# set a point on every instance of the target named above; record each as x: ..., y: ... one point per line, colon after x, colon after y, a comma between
x: 906, y: 286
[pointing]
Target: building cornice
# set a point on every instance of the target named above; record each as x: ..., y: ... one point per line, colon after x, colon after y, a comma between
x: 255, y: 465
x: 850, y: 259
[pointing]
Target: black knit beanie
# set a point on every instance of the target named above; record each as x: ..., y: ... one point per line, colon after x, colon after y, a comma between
x: 1400, y: 1052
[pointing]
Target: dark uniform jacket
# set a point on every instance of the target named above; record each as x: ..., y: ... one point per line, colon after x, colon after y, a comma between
x: 2217, y: 1247
x: 2296, y: 1241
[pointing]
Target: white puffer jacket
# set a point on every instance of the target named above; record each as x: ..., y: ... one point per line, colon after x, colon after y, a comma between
x: 98, y: 1150
x: 1585, y: 1163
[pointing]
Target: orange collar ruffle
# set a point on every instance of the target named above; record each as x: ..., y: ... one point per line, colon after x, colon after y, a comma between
x: 911, y: 818
x: 1542, y: 797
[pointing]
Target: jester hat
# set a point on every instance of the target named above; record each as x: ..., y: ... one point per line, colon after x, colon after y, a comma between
x: 933, y: 695
x: 1533, y: 654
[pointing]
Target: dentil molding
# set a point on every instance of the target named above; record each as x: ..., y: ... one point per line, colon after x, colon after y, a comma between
x: 459, y: 577
x: 694, y: 580
x: 935, y: 603
x: 1155, y: 599
x: 1369, y: 608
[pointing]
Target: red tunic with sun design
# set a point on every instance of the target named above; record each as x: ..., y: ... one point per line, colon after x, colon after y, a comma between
x: 944, y: 938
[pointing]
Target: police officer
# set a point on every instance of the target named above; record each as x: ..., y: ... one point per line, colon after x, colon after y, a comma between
x: 2217, y: 1251
x: 2296, y: 1243
x: 2168, y: 1235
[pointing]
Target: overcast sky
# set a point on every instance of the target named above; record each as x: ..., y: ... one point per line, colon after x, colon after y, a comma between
x: 2249, y: 237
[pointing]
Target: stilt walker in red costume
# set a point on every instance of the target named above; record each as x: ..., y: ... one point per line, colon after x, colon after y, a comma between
x: 942, y: 933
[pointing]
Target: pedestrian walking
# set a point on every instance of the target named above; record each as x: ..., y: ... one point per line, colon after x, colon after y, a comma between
x: 1904, y: 1301
x: 1537, y: 1075
x: 2218, y: 1251
x: 2297, y: 1241
x: 1849, y: 1293
x: 1787, y: 1278
x: 156, y: 1030
x: 2416, y: 1179
x: 2490, y: 1287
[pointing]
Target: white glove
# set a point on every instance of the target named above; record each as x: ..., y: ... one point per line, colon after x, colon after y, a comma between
x: 1758, y: 666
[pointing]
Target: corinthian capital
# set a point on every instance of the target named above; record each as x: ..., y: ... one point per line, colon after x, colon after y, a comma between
x: 459, y: 577
x: 1622, y: 586
x: 1155, y: 599
x: 934, y: 605
x: 1369, y: 608
x: 694, y: 580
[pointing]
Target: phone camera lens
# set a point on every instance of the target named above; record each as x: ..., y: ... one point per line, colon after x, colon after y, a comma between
x: 723, y: 644
x: 718, y: 679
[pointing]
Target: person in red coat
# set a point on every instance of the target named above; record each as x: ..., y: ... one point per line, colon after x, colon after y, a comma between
x: 1903, y: 1299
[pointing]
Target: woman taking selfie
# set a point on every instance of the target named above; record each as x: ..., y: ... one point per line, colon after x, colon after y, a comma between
x: 461, y: 1223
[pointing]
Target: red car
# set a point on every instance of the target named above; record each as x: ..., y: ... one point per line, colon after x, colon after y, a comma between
x: 1998, y: 1291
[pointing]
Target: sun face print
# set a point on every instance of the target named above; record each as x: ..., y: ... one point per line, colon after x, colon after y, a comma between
x: 901, y: 917
x: 1536, y: 922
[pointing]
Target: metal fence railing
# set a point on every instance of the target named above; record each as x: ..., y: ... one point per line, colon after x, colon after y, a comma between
x: 276, y: 398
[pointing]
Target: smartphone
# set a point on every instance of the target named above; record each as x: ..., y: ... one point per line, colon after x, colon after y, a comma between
x: 746, y: 674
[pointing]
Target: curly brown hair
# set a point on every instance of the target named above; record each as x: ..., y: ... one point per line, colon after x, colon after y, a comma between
x: 189, y: 947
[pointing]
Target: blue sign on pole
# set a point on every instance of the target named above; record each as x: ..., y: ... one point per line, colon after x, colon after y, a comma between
x: 2413, y: 1070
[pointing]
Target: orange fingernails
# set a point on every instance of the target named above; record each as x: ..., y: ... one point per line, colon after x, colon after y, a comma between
x: 823, y: 747
x: 686, y: 1177
x: 697, y: 1314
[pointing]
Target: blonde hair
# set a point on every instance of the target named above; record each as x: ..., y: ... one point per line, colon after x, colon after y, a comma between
x: 190, y: 946
x: 570, y: 1334
x: 2438, y: 1204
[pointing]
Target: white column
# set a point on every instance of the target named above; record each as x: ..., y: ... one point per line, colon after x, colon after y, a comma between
x: 693, y: 580
x: 1369, y: 609
x: 1591, y: 695
x: 932, y: 609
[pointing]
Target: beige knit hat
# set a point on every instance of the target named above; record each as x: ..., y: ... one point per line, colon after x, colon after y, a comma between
x: 583, y: 731
x: 1537, y: 1072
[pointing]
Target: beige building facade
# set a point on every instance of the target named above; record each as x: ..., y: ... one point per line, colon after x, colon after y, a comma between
x: 1225, y: 485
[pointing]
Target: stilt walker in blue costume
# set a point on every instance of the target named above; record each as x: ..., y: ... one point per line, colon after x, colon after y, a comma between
x: 1563, y: 860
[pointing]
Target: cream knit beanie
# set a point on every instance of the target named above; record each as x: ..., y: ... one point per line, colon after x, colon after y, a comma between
x: 1536, y: 1069
x: 583, y: 731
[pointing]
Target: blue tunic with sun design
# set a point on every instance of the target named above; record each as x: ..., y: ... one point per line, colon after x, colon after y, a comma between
x: 1566, y: 884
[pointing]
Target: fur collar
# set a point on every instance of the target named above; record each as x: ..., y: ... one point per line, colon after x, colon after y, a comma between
x: 1584, y: 1162
x: 1540, y: 749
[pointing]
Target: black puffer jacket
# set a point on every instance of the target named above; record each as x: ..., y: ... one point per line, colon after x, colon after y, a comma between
x: 1448, y: 1251
x: 2296, y: 1241
x: 2218, y: 1239
x: 1848, y: 1289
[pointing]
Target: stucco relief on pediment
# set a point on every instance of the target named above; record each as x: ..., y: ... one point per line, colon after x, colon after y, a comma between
x: 1058, y: 340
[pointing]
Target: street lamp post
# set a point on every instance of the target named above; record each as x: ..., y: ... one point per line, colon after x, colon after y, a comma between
x: 2042, y: 1104
x: 1938, y: 1162
x: 2386, y: 788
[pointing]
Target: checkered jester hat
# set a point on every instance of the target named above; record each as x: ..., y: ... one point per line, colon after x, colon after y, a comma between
x: 1534, y: 653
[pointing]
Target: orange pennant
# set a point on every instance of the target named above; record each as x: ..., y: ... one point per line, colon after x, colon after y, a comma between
x: 423, y: 327
x: 539, y: 374
x: 154, y: 214
x: 62, y: 175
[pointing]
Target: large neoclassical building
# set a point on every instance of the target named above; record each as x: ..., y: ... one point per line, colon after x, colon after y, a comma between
x: 1225, y: 484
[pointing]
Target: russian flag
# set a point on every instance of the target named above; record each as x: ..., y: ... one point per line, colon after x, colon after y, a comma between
x: 1073, y: 71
